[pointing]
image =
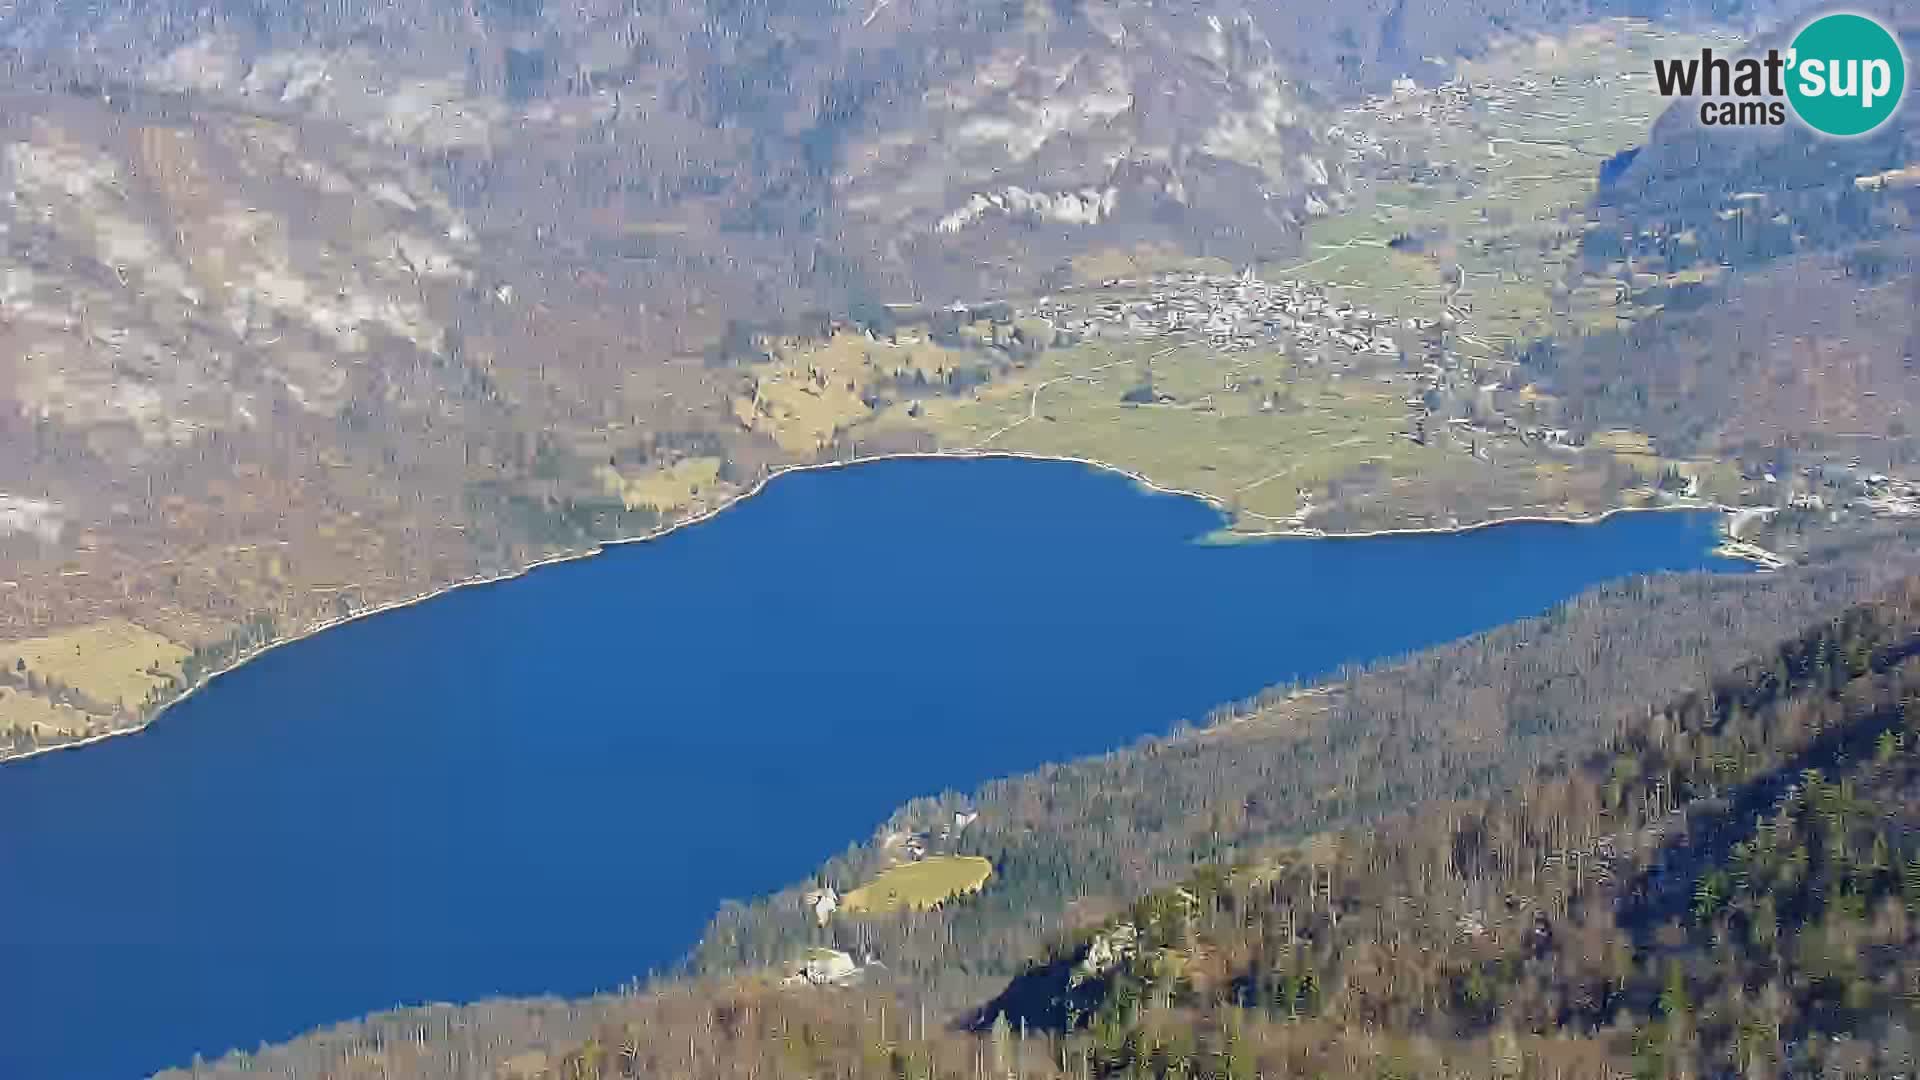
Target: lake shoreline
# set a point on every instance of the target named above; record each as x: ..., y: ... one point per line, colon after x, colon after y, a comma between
x: 465, y: 756
x: 660, y: 532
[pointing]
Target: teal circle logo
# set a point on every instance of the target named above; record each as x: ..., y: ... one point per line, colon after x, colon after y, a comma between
x: 1847, y: 74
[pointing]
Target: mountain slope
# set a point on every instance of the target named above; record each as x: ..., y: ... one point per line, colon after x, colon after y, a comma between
x: 1727, y: 888
x: 308, y: 309
x: 1776, y: 269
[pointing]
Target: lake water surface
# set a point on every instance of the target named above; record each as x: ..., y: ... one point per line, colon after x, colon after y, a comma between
x: 549, y: 784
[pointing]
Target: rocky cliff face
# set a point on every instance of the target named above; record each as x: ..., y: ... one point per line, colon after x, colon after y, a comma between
x: 833, y: 146
x: 160, y: 259
x: 904, y: 136
x: 1112, y: 125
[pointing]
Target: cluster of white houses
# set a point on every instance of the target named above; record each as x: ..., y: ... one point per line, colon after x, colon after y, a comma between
x: 1232, y: 312
x: 1446, y: 105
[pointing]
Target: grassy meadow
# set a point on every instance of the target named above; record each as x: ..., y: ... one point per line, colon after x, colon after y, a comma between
x: 919, y: 886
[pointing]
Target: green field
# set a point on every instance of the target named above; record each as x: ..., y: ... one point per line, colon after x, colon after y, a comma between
x: 1518, y: 169
x: 1213, y: 437
x: 667, y: 488
x: 114, y: 663
x: 919, y: 886
x: 1470, y: 218
x: 22, y: 711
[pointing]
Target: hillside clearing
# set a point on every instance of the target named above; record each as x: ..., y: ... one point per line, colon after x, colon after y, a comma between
x: 920, y: 886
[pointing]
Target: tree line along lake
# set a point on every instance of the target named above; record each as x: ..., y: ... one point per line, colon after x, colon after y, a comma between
x: 549, y: 784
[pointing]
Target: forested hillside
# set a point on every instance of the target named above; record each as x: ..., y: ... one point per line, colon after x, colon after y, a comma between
x: 1081, y: 839
x: 1776, y: 270
x: 1553, y: 918
x: 1728, y: 887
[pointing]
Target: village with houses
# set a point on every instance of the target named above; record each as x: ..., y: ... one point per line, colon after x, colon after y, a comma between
x: 1365, y: 132
x: 1452, y: 401
x: 1402, y: 332
x: 1302, y: 320
x: 1231, y: 312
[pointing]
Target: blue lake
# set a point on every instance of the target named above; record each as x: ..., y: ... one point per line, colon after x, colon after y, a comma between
x: 549, y: 784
